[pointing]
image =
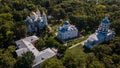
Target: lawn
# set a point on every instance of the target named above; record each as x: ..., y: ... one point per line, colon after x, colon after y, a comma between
x: 77, y: 51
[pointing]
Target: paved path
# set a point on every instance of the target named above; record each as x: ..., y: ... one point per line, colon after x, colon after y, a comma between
x: 77, y: 45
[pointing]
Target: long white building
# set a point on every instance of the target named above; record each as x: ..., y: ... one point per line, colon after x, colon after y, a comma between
x: 101, y: 35
x: 26, y: 44
x: 67, y: 31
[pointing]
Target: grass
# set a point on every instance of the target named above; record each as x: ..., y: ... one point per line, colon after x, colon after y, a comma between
x: 77, y: 51
x: 78, y: 54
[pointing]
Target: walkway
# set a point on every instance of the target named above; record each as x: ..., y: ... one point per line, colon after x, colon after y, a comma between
x: 82, y: 43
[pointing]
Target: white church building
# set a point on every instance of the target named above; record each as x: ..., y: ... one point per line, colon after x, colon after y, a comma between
x: 101, y: 35
x: 36, y: 21
x: 67, y: 31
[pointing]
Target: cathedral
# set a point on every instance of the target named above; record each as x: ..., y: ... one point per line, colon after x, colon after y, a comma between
x: 67, y: 31
x: 101, y: 35
x: 36, y: 21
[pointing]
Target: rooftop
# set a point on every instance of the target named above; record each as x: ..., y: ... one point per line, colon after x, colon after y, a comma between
x: 106, y: 20
x: 45, y: 54
x: 66, y: 22
x: 66, y: 27
x: 31, y: 38
x: 27, y: 43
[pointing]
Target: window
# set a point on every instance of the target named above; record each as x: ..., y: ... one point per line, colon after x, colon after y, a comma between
x: 33, y: 48
x: 42, y: 58
x: 31, y: 39
x: 18, y: 44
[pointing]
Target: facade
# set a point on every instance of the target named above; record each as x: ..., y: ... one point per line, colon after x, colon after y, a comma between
x: 26, y: 44
x: 36, y: 21
x: 67, y: 31
x: 101, y: 35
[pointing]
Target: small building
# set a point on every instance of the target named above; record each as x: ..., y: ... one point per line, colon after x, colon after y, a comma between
x: 36, y: 21
x: 103, y: 34
x: 26, y: 44
x: 67, y: 31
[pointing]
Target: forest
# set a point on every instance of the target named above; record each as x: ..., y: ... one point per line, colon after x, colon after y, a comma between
x: 85, y: 15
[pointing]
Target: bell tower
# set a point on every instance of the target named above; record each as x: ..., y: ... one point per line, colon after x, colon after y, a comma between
x: 104, y: 26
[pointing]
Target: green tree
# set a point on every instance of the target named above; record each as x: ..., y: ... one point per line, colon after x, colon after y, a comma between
x: 108, y: 62
x: 6, y: 58
x: 81, y: 61
x: 11, y: 48
x: 62, y: 13
x: 116, y: 59
x: 62, y: 49
x: 51, y: 42
x: 115, y: 45
x: 90, y: 58
x: 31, y: 6
x: 25, y: 61
x: 70, y: 61
x: 79, y: 21
x: 17, y: 16
x: 115, y: 25
x: 102, y: 51
x: 118, y: 66
x: 20, y: 30
x: 40, y: 44
x: 52, y: 63
x: 18, y: 5
x: 96, y: 64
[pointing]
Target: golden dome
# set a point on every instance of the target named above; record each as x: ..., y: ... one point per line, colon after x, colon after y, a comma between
x: 33, y: 13
x: 43, y: 13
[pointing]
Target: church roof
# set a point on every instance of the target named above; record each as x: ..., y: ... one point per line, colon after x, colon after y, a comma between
x: 94, y: 39
x: 106, y: 20
x: 32, y: 13
x: 66, y: 27
x: 66, y: 22
x: 62, y: 29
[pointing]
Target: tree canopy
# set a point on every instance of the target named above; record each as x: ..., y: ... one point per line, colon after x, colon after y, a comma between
x: 86, y: 15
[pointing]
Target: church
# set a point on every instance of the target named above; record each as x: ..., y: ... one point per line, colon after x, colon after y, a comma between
x: 36, y: 21
x: 103, y: 34
x: 67, y: 31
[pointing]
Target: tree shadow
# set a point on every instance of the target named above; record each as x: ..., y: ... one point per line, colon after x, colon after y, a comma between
x: 86, y: 50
